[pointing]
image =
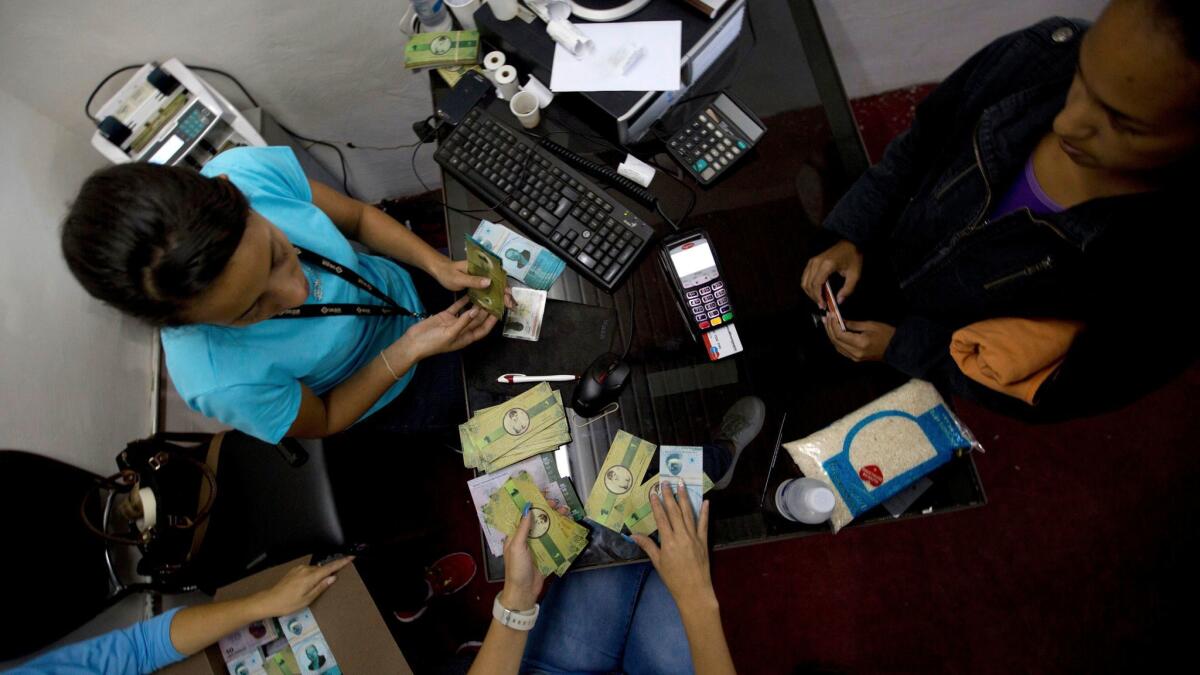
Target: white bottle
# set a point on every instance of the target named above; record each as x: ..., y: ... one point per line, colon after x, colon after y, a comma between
x: 433, y: 15
x: 503, y: 9
x: 805, y: 500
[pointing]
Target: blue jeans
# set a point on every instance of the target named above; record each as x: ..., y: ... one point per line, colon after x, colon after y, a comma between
x: 616, y: 619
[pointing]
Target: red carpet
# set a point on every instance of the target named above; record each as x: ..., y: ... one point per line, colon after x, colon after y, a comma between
x: 1081, y: 562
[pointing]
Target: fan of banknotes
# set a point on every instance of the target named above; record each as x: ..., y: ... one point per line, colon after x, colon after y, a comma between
x: 529, y: 424
x: 555, y: 539
x: 620, y: 499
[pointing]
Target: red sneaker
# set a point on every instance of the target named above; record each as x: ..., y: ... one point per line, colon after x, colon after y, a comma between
x: 411, y: 615
x: 451, y: 573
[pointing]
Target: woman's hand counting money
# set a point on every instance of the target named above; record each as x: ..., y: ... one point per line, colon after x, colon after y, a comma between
x: 522, y: 580
x: 682, y: 556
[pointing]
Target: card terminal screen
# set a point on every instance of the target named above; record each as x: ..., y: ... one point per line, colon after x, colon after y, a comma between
x: 692, y: 257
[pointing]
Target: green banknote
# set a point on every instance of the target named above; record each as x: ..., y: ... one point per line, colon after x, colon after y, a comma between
x: 497, y: 430
x: 623, y: 468
x: 545, y: 440
x: 554, y: 539
x: 432, y: 50
x: 636, y: 508
x: 483, y: 263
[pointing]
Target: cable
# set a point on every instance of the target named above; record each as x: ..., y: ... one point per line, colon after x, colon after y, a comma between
x: 632, y: 321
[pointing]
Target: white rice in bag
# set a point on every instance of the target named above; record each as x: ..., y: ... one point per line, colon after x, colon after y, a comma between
x: 882, y: 448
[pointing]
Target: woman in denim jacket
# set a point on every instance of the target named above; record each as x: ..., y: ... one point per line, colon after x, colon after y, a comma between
x: 1047, y: 177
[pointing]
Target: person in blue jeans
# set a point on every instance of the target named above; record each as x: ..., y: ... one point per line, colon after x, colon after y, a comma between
x: 154, y: 644
x: 272, y: 322
x: 657, y: 618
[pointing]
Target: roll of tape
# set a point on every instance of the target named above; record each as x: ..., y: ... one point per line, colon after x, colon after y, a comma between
x: 506, y: 82
x: 493, y: 60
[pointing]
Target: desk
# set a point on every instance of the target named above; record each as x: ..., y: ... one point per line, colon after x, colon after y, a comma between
x: 762, y: 218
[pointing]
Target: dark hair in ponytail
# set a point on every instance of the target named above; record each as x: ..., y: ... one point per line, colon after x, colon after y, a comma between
x: 148, y: 239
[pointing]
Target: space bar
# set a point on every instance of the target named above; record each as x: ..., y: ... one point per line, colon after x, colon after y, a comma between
x: 477, y: 182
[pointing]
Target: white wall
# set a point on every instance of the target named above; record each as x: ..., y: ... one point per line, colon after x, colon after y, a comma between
x: 329, y: 70
x: 75, y: 378
x: 881, y: 45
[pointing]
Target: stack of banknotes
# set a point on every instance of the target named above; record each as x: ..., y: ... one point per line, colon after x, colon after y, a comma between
x: 555, y: 539
x: 528, y: 424
x: 434, y: 50
x: 621, y: 500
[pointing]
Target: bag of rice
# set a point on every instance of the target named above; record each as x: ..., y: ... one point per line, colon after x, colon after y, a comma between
x: 882, y: 448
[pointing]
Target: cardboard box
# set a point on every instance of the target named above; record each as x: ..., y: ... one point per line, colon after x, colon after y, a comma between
x: 346, y: 614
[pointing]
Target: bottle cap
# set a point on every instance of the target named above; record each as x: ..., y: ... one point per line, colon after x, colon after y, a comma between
x: 820, y: 499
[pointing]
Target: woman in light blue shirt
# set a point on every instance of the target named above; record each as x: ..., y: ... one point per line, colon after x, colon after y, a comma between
x: 214, y: 257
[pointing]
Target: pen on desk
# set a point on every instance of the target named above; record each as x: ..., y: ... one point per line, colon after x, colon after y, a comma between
x: 517, y: 378
x: 774, y: 456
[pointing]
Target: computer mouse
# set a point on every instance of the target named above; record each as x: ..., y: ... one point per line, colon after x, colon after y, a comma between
x: 600, y: 385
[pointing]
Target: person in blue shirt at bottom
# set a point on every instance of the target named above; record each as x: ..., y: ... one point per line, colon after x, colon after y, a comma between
x: 215, y: 257
x: 154, y: 644
x: 632, y: 618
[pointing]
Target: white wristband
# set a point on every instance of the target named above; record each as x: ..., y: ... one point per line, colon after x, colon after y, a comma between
x: 515, y: 620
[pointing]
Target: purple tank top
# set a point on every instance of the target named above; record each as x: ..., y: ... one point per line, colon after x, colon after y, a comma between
x: 1025, y: 192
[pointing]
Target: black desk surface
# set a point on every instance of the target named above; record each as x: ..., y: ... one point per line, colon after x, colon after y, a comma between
x: 762, y: 218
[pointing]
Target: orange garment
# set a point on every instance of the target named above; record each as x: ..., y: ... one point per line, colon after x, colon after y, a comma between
x: 1013, y: 356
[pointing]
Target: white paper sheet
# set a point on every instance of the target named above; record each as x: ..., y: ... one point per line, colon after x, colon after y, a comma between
x: 656, y: 70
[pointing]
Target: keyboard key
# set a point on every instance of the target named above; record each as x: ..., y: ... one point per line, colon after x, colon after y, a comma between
x: 626, y: 253
x: 545, y: 228
x: 704, y: 325
x: 713, y: 314
x: 613, y: 271
x: 717, y: 285
x: 546, y: 216
x: 564, y: 205
x: 693, y: 294
x: 709, y: 306
x: 573, y: 250
x: 698, y: 311
x: 557, y: 237
x: 587, y: 260
x: 728, y: 316
x: 725, y: 308
x: 716, y: 321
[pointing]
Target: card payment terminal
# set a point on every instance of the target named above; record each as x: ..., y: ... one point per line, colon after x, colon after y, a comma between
x: 690, y: 262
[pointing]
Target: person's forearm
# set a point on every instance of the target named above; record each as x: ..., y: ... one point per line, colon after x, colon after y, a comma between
x: 349, y: 400
x: 501, y: 652
x: 194, y: 628
x: 706, y: 638
x: 386, y: 235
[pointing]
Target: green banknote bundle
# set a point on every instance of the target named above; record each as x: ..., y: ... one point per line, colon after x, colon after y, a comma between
x: 626, y: 463
x: 636, y: 507
x: 528, y: 424
x: 483, y: 263
x: 434, y: 50
x: 555, y: 539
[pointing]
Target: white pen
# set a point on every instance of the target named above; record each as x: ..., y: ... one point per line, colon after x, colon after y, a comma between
x: 517, y: 378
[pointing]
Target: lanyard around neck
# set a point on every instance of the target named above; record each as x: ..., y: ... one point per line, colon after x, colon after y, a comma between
x: 389, y: 308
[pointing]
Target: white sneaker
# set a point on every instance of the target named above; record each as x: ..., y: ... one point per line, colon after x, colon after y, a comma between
x: 740, y: 425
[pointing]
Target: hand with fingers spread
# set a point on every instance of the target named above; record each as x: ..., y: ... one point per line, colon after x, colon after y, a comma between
x: 454, y: 276
x: 448, y: 330
x: 843, y: 258
x: 681, y: 557
x: 862, y: 340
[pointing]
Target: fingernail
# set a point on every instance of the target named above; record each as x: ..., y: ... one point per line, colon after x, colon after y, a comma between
x: 525, y: 512
x: 627, y: 538
x: 329, y: 580
x: 485, y: 283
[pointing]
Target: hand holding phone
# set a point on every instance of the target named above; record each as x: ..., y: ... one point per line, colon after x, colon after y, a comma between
x: 832, y: 305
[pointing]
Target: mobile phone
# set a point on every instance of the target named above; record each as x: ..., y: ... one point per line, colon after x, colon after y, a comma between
x: 690, y: 262
x: 831, y: 305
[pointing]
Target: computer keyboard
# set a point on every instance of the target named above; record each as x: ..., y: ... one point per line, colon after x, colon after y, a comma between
x: 549, y: 201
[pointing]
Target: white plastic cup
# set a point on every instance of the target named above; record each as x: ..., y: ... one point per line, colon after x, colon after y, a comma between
x: 805, y: 500
x: 524, y: 105
x: 464, y: 11
x: 503, y: 9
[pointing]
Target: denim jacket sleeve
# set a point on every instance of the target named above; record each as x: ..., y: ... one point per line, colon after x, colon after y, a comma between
x: 869, y: 209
